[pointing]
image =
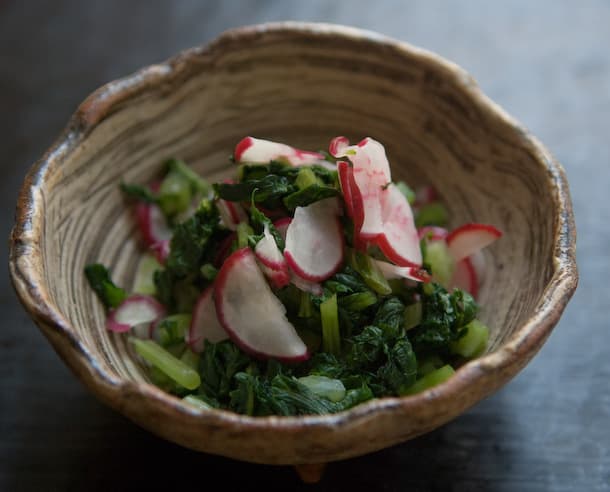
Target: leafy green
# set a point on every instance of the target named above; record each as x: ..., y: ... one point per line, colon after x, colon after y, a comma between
x: 218, y: 365
x: 443, y: 319
x: 269, y: 188
x: 259, y: 221
x: 139, y: 192
x: 100, y: 281
x: 190, y: 239
x: 311, y: 194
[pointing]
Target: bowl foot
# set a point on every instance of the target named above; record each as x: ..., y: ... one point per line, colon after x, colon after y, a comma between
x: 311, y: 473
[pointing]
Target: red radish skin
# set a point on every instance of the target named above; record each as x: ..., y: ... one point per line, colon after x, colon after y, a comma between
x: 268, y: 253
x: 152, y: 223
x: 337, y: 146
x: 277, y: 278
x: 465, y: 277
x: 258, y: 151
x: 231, y: 214
x: 161, y: 250
x: 390, y: 272
x: 469, y: 238
x: 253, y: 317
x: 371, y: 174
x: 133, y: 311
x: 314, y: 241
x: 399, y: 241
x: 204, y: 323
x: 353, y: 201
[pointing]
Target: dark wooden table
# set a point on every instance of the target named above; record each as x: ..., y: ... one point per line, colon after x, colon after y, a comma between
x: 546, y: 62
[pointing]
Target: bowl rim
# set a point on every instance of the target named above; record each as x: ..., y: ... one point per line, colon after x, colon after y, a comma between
x: 28, y: 281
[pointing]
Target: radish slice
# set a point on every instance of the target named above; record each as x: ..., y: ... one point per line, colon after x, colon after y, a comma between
x: 268, y: 253
x: 231, y: 214
x: 390, y: 272
x: 282, y: 226
x: 433, y: 233
x: 205, y: 324
x: 353, y: 200
x: 161, y: 250
x: 277, y: 278
x: 314, y: 241
x: 337, y: 146
x: 469, y: 238
x: 371, y: 174
x: 273, y: 263
x: 257, y: 151
x: 251, y: 314
x: 399, y: 240
x: 465, y: 277
x: 478, y: 262
x: 152, y: 223
x: 133, y: 311
x: 305, y: 285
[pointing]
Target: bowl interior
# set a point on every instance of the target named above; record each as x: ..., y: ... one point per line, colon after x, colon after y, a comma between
x: 302, y: 89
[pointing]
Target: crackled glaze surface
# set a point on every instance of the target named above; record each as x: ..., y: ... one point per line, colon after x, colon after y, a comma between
x: 301, y: 84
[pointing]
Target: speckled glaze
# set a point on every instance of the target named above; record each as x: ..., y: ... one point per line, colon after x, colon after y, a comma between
x: 301, y: 84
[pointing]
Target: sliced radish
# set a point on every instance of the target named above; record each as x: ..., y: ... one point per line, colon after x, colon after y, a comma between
x: 231, y: 213
x: 268, y: 253
x: 281, y: 226
x: 258, y: 151
x: 371, y: 174
x: 479, y: 264
x: 353, y: 200
x: 252, y: 315
x: 433, y: 233
x: 469, y: 238
x: 306, y: 285
x: 152, y: 223
x: 161, y: 250
x: 277, y: 278
x: 136, y: 310
x: 390, y: 272
x: 314, y: 241
x: 204, y: 323
x: 399, y: 240
x: 465, y: 277
x: 273, y: 263
x: 337, y: 146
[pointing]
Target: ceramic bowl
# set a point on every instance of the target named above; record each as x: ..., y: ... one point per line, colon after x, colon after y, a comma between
x: 301, y: 84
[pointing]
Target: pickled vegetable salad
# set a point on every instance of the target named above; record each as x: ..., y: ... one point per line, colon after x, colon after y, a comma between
x: 308, y: 284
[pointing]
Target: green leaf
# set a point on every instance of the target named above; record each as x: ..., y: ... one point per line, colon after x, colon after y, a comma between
x: 139, y: 193
x: 309, y: 195
x: 100, y: 281
x: 270, y: 187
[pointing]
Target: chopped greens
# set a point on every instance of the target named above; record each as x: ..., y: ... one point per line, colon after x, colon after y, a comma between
x: 364, y: 329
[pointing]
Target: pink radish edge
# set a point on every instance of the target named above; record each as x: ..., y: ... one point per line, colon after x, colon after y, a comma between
x: 135, y: 310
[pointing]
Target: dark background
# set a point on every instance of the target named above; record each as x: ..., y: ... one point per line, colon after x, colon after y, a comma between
x: 546, y: 62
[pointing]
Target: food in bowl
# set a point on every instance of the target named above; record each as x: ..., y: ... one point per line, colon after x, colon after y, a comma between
x: 308, y: 284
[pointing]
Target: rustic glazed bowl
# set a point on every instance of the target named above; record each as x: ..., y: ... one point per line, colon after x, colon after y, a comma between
x: 301, y: 84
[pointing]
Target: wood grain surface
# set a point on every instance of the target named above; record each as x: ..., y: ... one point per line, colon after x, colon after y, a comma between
x: 545, y: 431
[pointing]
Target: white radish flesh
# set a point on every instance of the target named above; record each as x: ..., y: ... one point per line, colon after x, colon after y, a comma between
x: 314, y: 241
x: 371, y: 174
x: 133, y: 311
x: 252, y: 315
x: 470, y: 238
x: 204, y: 323
x: 258, y: 151
x: 390, y: 272
x: 399, y: 240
